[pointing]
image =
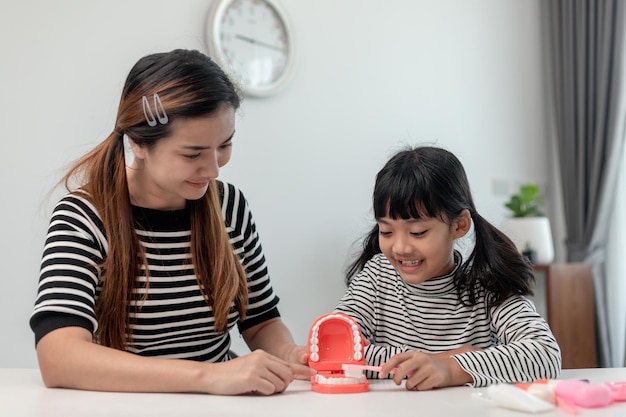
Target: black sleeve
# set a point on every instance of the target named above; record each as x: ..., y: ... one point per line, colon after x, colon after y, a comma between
x: 44, y: 323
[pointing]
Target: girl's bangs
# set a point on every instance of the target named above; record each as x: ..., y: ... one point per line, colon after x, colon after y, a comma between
x: 405, y: 203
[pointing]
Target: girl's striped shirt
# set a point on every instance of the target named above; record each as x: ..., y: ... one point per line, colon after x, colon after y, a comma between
x: 396, y: 317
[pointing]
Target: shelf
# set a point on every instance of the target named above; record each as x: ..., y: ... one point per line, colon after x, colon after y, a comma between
x: 570, y: 311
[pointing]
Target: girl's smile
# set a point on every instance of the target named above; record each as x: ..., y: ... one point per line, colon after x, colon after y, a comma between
x: 410, y: 266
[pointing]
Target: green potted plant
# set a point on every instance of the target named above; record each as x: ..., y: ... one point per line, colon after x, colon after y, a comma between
x: 527, y: 226
x: 527, y: 202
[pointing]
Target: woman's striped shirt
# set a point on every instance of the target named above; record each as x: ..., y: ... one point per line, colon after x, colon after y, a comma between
x: 173, y: 320
x: 428, y: 317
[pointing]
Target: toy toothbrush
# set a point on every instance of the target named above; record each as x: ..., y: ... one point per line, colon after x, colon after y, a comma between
x: 335, y: 349
x: 356, y: 370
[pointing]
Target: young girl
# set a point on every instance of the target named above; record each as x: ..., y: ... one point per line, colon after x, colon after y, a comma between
x: 439, y: 319
x: 147, y: 267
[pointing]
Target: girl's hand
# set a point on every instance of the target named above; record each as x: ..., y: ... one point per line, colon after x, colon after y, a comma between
x: 426, y: 371
x: 257, y: 372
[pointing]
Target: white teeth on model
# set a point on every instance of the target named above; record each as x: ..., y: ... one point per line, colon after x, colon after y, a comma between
x: 320, y: 379
x: 410, y: 263
x: 357, y: 346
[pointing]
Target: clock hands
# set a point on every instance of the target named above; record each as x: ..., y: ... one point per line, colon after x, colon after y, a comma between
x: 255, y: 42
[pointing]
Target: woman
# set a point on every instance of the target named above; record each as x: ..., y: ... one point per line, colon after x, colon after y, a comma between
x: 148, y: 265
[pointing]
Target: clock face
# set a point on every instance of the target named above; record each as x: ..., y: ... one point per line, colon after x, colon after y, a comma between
x: 252, y: 38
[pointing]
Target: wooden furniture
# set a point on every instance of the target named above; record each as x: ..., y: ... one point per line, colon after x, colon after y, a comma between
x: 570, y: 311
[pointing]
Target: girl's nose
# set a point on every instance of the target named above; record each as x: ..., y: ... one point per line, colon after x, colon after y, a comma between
x: 401, y: 245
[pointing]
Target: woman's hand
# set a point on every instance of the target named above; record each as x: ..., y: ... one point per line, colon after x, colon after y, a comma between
x: 257, y: 372
x: 297, y: 355
x: 273, y: 336
x: 427, y: 371
x: 68, y: 358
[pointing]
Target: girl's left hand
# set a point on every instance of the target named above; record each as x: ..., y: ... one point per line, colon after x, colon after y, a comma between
x: 425, y: 371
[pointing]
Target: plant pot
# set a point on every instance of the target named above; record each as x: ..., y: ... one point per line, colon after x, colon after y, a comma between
x: 532, y: 233
x: 530, y: 255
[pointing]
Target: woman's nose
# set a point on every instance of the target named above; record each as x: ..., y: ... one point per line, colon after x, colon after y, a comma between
x: 210, y: 167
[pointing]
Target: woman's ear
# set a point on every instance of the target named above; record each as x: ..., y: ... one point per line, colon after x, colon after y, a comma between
x: 138, y: 150
x: 462, y: 224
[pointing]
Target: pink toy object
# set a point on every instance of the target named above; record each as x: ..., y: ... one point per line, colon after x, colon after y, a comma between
x: 569, y: 394
x: 618, y: 390
x: 335, y: 344
x: 584, y: 394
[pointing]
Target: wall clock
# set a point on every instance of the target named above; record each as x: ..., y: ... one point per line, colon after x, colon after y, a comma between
x: 253, y: 41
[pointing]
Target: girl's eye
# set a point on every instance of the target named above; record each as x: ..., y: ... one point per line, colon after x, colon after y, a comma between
x: 381, y: 233
x: 226, y: 145
x: 418, y: 234
x: 194, y: 156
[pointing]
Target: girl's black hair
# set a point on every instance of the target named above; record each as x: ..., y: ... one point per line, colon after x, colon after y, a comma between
x: 430, y: 182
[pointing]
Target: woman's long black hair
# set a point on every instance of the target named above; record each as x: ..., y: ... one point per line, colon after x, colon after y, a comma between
x: 430, y: 182
x: 188, y: 84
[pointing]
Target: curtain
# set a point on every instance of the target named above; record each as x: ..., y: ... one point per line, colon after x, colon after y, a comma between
x: 616, y: 273
x: 587, y: 52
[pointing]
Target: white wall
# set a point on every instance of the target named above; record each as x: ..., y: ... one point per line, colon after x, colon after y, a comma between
x: 371, y: 76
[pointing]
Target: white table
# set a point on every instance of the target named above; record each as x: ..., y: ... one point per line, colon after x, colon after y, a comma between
x: 22, y: 394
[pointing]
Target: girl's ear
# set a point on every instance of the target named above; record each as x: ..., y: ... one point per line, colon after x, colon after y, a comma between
x: 462, y: 224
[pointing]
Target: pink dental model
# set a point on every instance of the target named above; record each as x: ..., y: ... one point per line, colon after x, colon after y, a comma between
x: 335, y: 342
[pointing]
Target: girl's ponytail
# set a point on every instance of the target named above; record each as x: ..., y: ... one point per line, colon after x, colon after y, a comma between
x: 495, y: 264
x: 370, y: 248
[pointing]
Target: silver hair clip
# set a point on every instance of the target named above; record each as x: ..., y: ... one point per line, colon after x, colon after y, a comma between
x: 159, y: 110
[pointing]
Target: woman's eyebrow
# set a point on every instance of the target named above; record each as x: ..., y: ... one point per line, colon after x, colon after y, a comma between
x: 195, y: 148
x: 200, y: 148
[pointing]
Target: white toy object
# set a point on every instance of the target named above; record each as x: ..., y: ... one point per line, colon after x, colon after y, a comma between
x: 508, y: 396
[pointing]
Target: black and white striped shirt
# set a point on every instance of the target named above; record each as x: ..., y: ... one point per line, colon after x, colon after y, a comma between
x: 174, y: 321
x: 397, y: 317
